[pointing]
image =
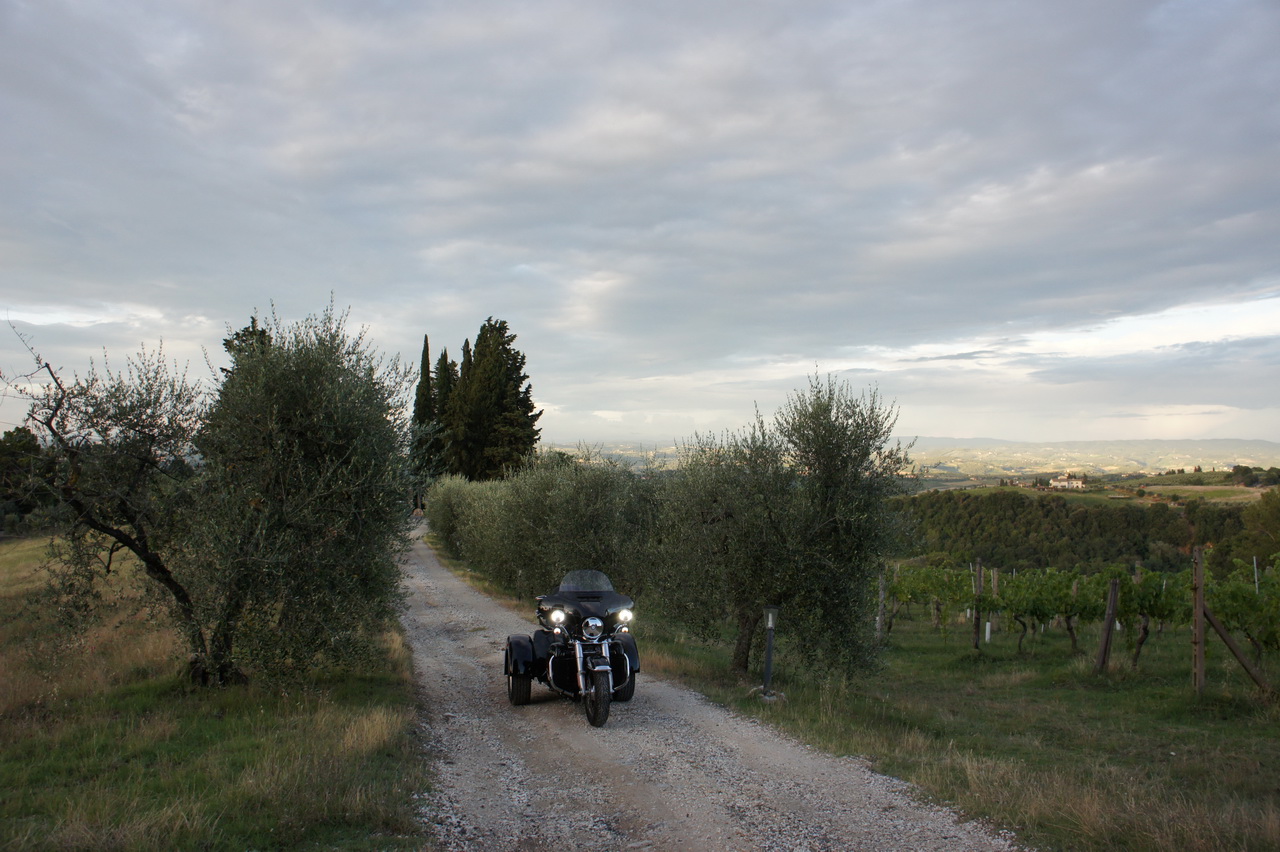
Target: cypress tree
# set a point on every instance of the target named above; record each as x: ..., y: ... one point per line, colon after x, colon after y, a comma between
x: 490, y: 419
x: 424, y: 403
x: 446, y: 378
x: 431, y: 438
x: 424, y: 427
x: 436, y: 443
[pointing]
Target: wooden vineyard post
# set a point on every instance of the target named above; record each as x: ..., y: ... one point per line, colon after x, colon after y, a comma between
x: 1201, y: 614
x: 995, y: 593
x: 977, y: 610
x: 1108, y: 628
x: 880, y: 610
x: 1197, y: 621
x: 1237, y: 651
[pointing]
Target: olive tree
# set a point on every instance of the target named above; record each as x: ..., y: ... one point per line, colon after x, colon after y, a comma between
x: 847, y: 466
x: 793, y: 511
x: 267, y: 514
x: 728, y: 533
x: 304, y: 498
x: 120, y: 445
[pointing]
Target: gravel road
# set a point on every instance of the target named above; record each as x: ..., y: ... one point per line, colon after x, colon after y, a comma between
x: 669, y: 770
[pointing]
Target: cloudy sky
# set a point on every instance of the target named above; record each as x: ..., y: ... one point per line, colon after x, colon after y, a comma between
x: 1024, y: 220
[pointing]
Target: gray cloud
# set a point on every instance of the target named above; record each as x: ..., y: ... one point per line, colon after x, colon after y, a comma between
x: 1228, y: 373
x: 680, y: 208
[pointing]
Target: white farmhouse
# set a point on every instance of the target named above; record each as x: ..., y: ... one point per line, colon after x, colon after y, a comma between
x: 1067, y: 481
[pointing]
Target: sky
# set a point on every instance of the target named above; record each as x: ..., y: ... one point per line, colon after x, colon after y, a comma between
x: 1035, y: 221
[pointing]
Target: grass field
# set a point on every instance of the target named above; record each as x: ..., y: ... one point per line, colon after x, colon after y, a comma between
x: 104, y: 747
x: 1209, y: 493
x: 1151, y: 494
x: 1034, y: 741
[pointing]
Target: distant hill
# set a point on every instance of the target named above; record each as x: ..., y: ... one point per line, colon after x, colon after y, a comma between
x: 999, y: 458
x: 994, y: 457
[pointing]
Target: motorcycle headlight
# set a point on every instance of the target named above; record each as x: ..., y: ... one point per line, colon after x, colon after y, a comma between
x: 625, y: 616
x: 592, y: 628
x: 557, y: 616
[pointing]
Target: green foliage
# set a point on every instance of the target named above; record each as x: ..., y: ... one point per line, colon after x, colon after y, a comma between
x: 1254, y: 477
x: 119, y: 446
x: 429, y: 447
x: 838, y: 444
x: 1246, y: 602
x: 793, y: 513
x: 1249, y: 602
x: 476, y: 419
x: 446, y: 379
x: 21, y: 462
x: 730, y: 510
x: 1030, y: 595
x: 1014, y: 530
x: 557, y: 515
x: 252, y: 338
x: 266, y: 521
x: 937, y: 583
x: 302, y: 500
x: 1260, y: 536
x: 443, y: 509
x: 424, y: 401
x: 489, y: 417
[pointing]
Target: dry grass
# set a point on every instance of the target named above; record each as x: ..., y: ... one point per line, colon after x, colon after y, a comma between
x: 104, y: 747
x: 42, y: 663
x: 87, y: 825
x: 1212, y: 493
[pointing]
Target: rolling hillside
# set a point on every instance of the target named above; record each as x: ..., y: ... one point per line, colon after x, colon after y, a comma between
x: 991, y: 457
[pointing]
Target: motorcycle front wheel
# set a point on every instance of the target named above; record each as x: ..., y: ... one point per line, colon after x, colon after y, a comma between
x: 518, y: 689
x: 596, y: 699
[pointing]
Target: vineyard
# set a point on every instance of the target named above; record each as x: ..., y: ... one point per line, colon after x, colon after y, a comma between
x: 1245, y: 601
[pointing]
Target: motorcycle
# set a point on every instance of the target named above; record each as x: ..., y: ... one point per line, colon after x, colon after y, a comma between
x: 583, y: 648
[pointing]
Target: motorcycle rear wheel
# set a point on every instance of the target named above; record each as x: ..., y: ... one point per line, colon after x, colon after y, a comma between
x: 596, y: 699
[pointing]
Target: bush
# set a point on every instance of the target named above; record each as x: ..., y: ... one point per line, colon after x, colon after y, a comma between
x: 554, y: 516
x: 441, y: 510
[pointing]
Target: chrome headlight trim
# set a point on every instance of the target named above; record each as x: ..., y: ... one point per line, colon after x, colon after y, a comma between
x: 592, y: 628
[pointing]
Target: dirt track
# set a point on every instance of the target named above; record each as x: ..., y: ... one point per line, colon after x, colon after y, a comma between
x: 668, y: 770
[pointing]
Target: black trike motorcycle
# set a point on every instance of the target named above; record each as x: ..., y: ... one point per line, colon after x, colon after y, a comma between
x: 583, y: 648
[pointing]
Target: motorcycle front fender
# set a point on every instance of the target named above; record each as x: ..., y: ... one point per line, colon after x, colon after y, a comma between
x: 628, y: 643
x: 519, y: 658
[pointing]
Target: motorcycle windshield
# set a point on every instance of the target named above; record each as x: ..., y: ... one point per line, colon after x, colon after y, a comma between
x: 585, y: 581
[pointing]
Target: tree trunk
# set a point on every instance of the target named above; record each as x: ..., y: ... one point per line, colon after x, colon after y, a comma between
x: 220, y: 668
x: 748, y: 621
x: 1023, y: 634
x: 937, y: 614
x: 1071, y: 631
x: 1143, y: 632
x: 153, y: 566
x: 1257, y: 648
x: 881, y: 608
